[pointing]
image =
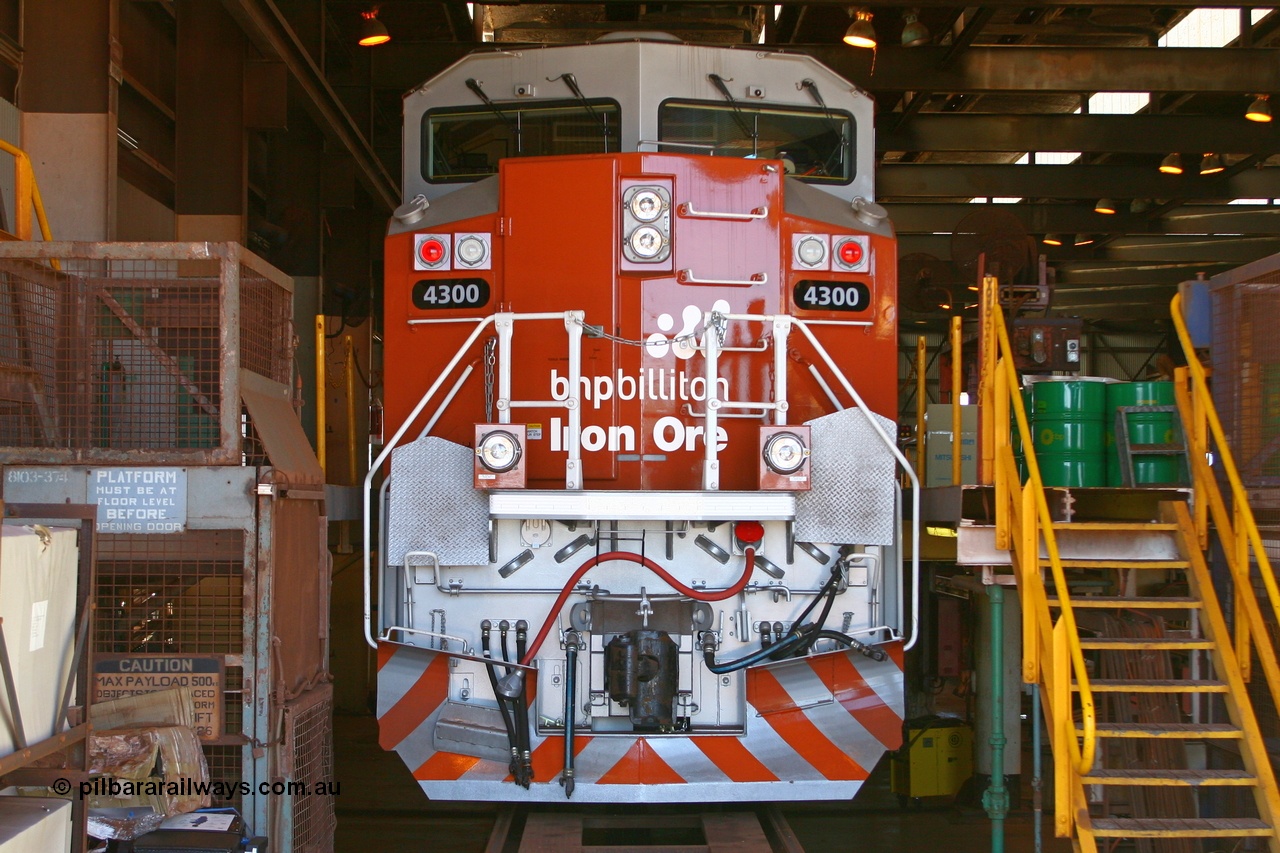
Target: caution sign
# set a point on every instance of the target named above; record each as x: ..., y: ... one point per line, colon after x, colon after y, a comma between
x: 117, y: 676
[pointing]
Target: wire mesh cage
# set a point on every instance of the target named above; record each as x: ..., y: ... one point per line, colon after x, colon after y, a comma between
x: 308, y: 736
x: 1246, y: 367
x: 111, y: 351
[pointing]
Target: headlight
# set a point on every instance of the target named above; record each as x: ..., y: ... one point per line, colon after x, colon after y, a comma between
x: 785, y: 453
x: 646, y: 241
x: 499, y: 451
x: 646, y: 205
x: 472, y: 251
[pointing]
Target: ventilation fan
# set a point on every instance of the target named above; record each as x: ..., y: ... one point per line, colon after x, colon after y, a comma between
x: 925, y: 284
x: 1001, y: 237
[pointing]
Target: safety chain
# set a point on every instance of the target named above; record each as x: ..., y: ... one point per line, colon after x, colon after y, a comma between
x: 599, y: 332
x: 490, y: 359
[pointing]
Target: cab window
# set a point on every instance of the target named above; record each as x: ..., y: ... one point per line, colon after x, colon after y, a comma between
x: 466, y: 143
x: 815, y: 145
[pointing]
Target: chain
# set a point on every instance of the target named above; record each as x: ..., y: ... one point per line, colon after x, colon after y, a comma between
x: 490, y: 359
x: 599, y: 332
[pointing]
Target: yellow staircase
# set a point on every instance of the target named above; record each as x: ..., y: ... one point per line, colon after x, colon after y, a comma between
x: 1123, y: 630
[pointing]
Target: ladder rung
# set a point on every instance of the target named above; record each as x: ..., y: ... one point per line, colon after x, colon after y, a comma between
x: 1168, y: 777
x: 1160, y: 449
x: 1133, y: 526
x: 1164, y: 603
x: 1139, y: 644
x: 1120, y: 564
x: 1164, y: 685
x: 1172, y: 731
x: 1150, y: 827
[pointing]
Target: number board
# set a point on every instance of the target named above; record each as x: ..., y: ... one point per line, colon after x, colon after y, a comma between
x: 441, y: 293
x: 832, y: 295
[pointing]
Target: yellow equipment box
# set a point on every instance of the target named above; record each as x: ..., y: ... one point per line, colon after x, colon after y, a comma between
x: 935, y: 761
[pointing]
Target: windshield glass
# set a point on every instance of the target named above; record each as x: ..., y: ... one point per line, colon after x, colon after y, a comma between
x: 815, y: 145
x: 466, y: 143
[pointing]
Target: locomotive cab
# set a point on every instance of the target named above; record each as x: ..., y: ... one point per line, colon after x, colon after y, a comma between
x: 640, y: 340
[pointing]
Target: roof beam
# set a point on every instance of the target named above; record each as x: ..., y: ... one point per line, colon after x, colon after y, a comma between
x: 896, y: 182
x: 930, y: 218
x: 1021, y: 68
x: 1151, y: 256
x: 402, y: 65
x: 1124, y: 134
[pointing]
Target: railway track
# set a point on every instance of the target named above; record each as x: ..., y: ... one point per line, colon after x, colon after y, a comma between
x: 522, y: 829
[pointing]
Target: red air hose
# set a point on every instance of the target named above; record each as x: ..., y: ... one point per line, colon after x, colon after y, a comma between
x: 628, y: 556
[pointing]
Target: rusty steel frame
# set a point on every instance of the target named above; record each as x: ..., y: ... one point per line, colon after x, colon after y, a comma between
x: 230, y: 257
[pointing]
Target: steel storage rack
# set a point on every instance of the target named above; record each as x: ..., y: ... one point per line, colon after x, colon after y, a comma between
x: 155, y: 380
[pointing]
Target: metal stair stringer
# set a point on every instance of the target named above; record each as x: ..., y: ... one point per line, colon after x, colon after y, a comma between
x: 1239, y: 707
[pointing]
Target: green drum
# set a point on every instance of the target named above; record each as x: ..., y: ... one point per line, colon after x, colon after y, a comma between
x: 1070, y: 431
x: 1015, y: 437
x: 1144, y: 428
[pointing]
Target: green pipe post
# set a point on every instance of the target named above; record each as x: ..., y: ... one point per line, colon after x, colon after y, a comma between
x: 996, y: 798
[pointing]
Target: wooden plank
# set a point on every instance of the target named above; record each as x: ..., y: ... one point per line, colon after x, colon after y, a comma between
x: 734, y: 832
x: 544, y: 833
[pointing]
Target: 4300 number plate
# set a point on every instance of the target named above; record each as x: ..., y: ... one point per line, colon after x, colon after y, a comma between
x: 832, y: 296
x: 442, y: 293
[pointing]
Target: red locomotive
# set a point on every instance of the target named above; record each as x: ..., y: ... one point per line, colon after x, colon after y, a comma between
x: 641, y: 529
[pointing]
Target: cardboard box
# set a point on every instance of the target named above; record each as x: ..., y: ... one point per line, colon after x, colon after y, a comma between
x: 34, y: 824
x: 39, y: 570
x: 159, y: 769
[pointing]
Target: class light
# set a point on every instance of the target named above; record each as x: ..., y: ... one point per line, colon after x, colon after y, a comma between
x: 850, y: 253
x: 811, y: 251
x: 372, y: 31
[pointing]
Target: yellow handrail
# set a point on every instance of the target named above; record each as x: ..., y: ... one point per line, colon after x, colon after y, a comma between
x: 26, y: 195
x: 1237, y: 528
x: 1023, y: 519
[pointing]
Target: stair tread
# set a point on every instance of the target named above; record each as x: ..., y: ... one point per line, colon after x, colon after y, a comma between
x: 1115, y: 525
x: 1120, y: 564
x: 1143, y: 643
x: 1167, y: 730
x: 1163, y: 602
x: 1155, y: 685
x: 1219, y: 827
x: 1131, y: 776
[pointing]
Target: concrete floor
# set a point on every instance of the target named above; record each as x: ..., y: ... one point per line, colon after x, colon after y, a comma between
x: 382, y: 810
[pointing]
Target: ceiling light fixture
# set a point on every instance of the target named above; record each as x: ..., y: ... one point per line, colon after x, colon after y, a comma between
x: 372, y: 31
x: 1083, y: 240
x: 1211, y: 164
x: 1259, y: 110
x: 1139, y: 205
x: 914, y: 33
x: 1052, y: 240
x: 1171, y: 164
x: 860, y: 32
x: 1105, y: 206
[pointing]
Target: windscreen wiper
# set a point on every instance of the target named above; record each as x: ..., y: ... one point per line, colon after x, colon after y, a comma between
x: 738, y: 115
x: 514, y: 125
x: 812, y: 88
x: 572, y: 83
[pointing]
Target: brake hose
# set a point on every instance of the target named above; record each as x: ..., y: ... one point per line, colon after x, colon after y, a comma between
x: 749, y: 555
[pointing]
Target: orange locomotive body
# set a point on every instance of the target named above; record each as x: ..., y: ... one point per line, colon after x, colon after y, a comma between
x: 641, y: 530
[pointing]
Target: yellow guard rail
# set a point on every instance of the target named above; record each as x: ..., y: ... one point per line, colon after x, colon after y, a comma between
x: 1051, y: 648
x: 1237, y: 529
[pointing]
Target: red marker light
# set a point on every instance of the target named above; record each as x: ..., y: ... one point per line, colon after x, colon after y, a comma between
x: 748, y: 532
x: 431, y: 251
x: 850, y: 253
